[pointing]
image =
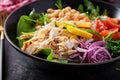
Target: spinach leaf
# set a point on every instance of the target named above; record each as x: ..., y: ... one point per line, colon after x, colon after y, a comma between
x: 25, y: 24
x: 61, y: 60
x: 45, y: 53
x: 20, y: 42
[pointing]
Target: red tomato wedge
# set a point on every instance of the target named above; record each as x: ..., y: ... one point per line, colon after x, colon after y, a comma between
x: 112, y: 23
x: 104, y: 33
x: 105, y: 27
x: 99, y: 25
x: 97, y: 37
x: 114, y: 30
x: 116, y: 36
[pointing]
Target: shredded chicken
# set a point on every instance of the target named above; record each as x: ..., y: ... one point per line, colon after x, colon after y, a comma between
x: 59, y: 40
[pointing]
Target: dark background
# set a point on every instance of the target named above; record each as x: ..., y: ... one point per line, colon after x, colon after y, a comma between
x: 18, y: 67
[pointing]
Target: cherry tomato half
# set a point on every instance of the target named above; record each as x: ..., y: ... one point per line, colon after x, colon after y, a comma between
x: 116, y: 36
x: 112, y: 23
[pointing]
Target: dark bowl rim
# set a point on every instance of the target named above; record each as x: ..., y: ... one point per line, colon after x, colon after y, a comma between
x: 38, y: 58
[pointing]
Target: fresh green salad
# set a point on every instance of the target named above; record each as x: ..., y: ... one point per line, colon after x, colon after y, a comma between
x: 68, y: 35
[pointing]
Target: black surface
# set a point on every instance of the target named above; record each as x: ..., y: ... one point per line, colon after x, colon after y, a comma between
x: 19, y: 67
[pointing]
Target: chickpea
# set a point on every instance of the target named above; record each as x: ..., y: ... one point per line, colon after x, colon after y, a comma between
x: 54, y: 15
x: 50, y: 10
x: 68, y: 13
x: 77, y: 14
x: 73, y: 11
x: 67, y: 17
x: 57, y: 11
x: 64, y: 10
x: 61, y: 14
x: 68, y: 8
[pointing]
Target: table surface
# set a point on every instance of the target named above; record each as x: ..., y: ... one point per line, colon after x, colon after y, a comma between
x: 17, y: 67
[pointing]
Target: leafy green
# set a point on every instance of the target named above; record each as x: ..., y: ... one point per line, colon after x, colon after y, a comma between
x: 20, y: 42
x: 81, y: 8
x: 33, y: 15
x: 113, y: 46
x: 46, y: 53
x: 60, y: 60
x: 25, y: 24
x: 97, y: 11
x: 26, y: 35
x: 89, y: 5
x: 43, y: 18
x: 58, y: 4
x: 94, y: 32
x: 93, y: 12
x: 105, y: 12
x: 30, y: 33
x: 40, y: 18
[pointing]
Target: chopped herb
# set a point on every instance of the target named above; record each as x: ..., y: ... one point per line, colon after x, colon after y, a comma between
x: 33, y: 15
x: 43, y: 18
x: 113, y: 46
x: 105, y: 12
x: 80, y: 8
x: 40, y: 18
x: 92, y: 11
x: 58, y: 4
x: 97, y: 11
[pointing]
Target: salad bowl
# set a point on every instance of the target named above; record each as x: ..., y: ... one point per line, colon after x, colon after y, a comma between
x: 41, y: 6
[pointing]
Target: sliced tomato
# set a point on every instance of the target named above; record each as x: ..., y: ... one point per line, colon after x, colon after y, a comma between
x: 97, y: 37
x: 104, y: 33
x: 116, y: 36
x: 114, y: 30
x: 99, y: 25
x: 112, y: 23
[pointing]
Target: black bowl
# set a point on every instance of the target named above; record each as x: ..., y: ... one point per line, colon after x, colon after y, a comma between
x: 43, y: 5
